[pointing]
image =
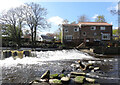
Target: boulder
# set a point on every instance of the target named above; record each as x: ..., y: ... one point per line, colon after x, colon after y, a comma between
x: 34, y: 81
x: 55, y: 81
x: 90, y: 80
x: 61, y: 75
x: 82, y: 66
x: 95, y: 69
x: 78, y: 73
x: 65, y: 79
x: 46, y: 75
x: 44, y: 80
x: 53, y: 76
x: 91, y: 67
x: 40, y: 83
x: 79, y: 79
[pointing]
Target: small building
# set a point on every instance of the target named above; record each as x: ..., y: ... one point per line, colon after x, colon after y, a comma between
x: 45, y: 38
x: 86, y: 32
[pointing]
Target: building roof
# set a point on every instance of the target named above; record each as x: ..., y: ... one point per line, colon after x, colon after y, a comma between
x: 70, y: 24
x: 47, y: 37
x: 95, y: 23
x: 89, y: 23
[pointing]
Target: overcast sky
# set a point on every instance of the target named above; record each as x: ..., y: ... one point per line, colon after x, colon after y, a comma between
x: 58, y: 11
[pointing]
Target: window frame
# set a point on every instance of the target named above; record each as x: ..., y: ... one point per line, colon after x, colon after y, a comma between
x: 84, y: 34
x: 68, y: 37
x: 105, y: 35
x: 93, y: 27
x: 65, y: 30
x: 101, y: 28
x: 77, y: 29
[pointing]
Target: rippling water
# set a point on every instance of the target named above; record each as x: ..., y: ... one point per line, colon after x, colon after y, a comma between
x: 27, y: 69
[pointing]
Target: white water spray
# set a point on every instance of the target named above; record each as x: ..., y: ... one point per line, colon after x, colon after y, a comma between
x: 45, y: 56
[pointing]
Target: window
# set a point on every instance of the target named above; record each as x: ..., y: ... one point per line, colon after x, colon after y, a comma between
x: 102, y: 28
x: 95, y: 34
x: 84, y: 33
x: 65, y: 30
x: 68, y: 37
x: 106, y: 36
x: 76, y: 29
x: 93, y: 28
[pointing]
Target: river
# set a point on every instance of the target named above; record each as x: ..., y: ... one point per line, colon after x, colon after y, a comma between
x: 28, y: 68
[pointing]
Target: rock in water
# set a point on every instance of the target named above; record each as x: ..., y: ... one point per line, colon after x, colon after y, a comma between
x: 79, y: 79
x: 55, y: 81
x: 81, y: 65
x: 95, y: 69
x: 78, y: 73
x: 46, y: 75
x: 90, y: 80
x: 41, y: 83
x: 61, y: 75
x: 53, y: 76
x: 65, y: 79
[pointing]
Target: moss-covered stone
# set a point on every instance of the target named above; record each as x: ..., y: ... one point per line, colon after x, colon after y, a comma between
x: 55, y: 81
x: 79, y: 79
x: 62, y: 75
x: 53, y: 76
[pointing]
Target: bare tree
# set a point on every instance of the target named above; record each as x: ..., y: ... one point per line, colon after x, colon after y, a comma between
x: 36, y: 19
x: 83, y: 18
x: 14, y: 19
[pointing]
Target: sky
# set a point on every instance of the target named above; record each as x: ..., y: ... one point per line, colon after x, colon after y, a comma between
x: 70, y: 10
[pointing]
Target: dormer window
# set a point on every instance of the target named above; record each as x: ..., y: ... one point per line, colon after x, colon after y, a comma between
x: 93, y: 28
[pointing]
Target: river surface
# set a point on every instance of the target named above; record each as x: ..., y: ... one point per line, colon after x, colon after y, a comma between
x: 27, y: 69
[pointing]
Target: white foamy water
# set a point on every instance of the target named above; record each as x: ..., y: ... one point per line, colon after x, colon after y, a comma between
x: 45, y: 56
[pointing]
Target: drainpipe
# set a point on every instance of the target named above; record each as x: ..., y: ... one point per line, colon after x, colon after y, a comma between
x: 80, y: 32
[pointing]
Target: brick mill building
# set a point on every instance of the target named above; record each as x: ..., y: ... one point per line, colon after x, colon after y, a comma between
x: 86, y: 32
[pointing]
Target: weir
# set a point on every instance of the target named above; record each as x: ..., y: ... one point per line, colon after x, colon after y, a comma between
x: 28, y: 68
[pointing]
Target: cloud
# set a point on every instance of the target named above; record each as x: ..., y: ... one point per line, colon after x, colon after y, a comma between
x: 95, y: 16
x: 56, y: 20
x: 115, y: 27
x: 5, y: 4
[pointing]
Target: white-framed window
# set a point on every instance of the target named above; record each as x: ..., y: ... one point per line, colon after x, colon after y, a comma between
x: 84, y: 33
x: 105, y: 36
x: 65, y: 30
x: 93, y: 28
x: 102, y: 28
x: 68, y: 37
x: 76, y: 29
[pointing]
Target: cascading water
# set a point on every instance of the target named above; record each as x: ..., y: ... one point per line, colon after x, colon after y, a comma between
x: 28, y: 68
x: 46, y: 56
